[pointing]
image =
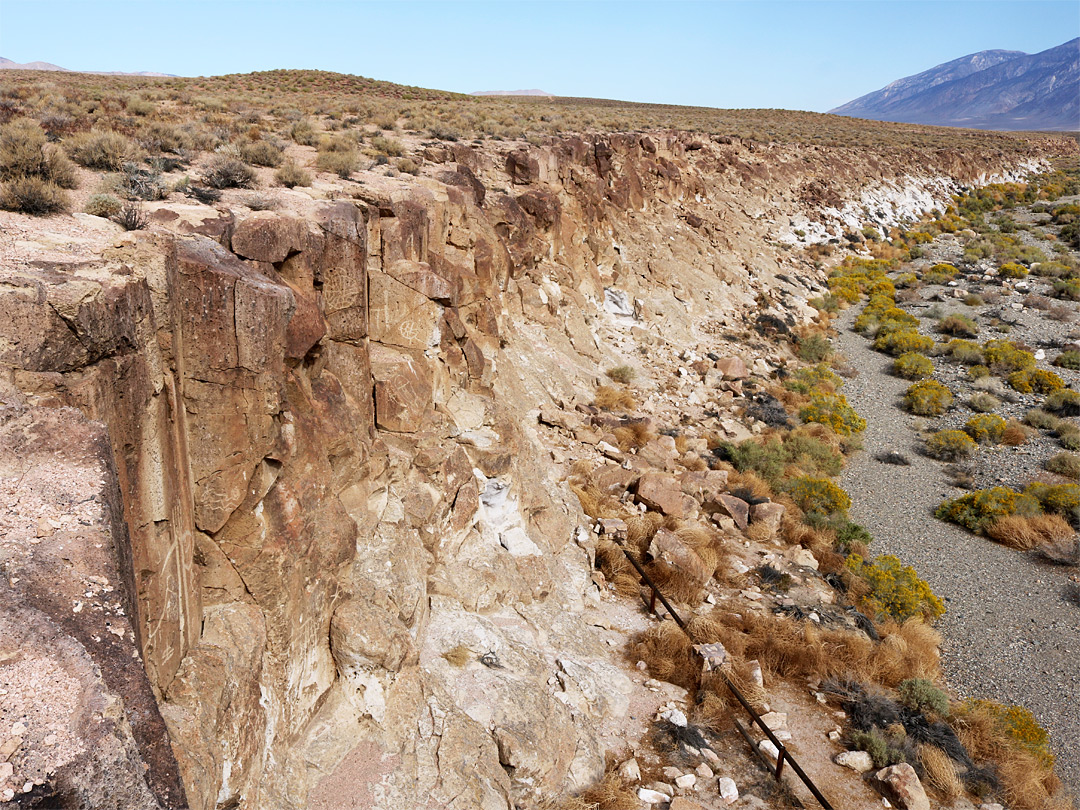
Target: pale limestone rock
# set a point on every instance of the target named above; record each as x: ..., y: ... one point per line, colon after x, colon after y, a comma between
x: 729, y: 791
x: 777, y: 723
x: 858, y: 761
x: 650, y: 796
x: 630, y: 770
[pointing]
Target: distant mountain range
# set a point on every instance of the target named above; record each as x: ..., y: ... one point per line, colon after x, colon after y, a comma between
x: 1007, y: 90
x: 7, y: 64
x: 509, y: 93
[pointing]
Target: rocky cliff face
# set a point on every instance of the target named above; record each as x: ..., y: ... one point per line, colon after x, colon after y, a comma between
x: 291, y: 497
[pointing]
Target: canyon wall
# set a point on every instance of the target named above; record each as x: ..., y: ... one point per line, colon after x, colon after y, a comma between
x: 326, y: 544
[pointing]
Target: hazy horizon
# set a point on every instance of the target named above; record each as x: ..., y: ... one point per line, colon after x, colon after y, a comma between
x: 789, y: 55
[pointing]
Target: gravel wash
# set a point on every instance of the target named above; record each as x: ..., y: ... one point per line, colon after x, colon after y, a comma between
x: 1010, y: 633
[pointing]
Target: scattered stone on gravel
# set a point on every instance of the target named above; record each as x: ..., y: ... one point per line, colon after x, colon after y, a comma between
x: 729, y: 792
x: 858, y: 761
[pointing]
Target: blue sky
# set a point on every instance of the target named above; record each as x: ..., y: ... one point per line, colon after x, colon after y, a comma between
x: 796, y: 55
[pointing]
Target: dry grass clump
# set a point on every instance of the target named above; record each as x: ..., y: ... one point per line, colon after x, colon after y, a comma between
x: 749, y: 483
x: 983, y: 402
x: 669, y: 654
x: 226, y: 171
x: 610, y: 793
x: 291, y: 175
x: 459, y: 656
x: 1015, y: 434
x: 1067, y: 464
x: 1025, y: 533
x: 614, y: 398
x: 616, y: 568
x: 940, y: 773
x: 103, y: 150
x: 790, y: 650
x: 1025, y: 773
x: 633, y: 434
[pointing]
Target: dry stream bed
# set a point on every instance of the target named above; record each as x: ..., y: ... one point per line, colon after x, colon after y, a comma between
x: 1011, y: 632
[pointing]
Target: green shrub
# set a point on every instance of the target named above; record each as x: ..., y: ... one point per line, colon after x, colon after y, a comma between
x: 290, y: 175
x: 921, y: 695
x: 387, y: 146
x: 810, y: 379
x: 1070, y: 441
x: 622, y: 374
x: 104, y: 150
x: 103, y: 205
x: 777, y: 456
x: 848, y: 533
x: 912, y: 366
x: 977, y: 510
x: 34, y: 171
x: 983, y: 402
x: 1038, y: 418
x: 25, y: 152
x: 814, y: 349
x: 966, y: 352
x: 845, y: 289
x: 902, y: 342
x: 1004, y: 357
x: 1061, y: 499
x: 1012, y: 270
x: 1069, y: 289
x: 880, y: 747
x: 1063, y: 403
x: 1068, y: 359
x: 1038, y: 380
x: 985, y: 428
x: 960, y: 325
x: 342, y: 164
x: 825, y: 303
x: 1067, y: 464
x: 927, y: 398
x: 33, y: 195
x: 950, y: 445
x: 1065, y: 427
x: 834, y: 411
x: 304, y: 133
x: 906, y: 280
x: 896, y: 589
x: 941, y: 273
x: 978, y: 372
x: 262, y: 153
x: 224, y: 171
x: 820, y: 495
x: 140, y: 106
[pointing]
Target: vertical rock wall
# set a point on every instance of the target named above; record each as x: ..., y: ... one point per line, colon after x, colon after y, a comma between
x: 349, y: 565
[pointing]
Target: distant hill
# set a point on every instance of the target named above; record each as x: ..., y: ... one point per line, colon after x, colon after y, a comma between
x: 1007, y: 90
x: 511, y: 93
x: 7, y: 64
